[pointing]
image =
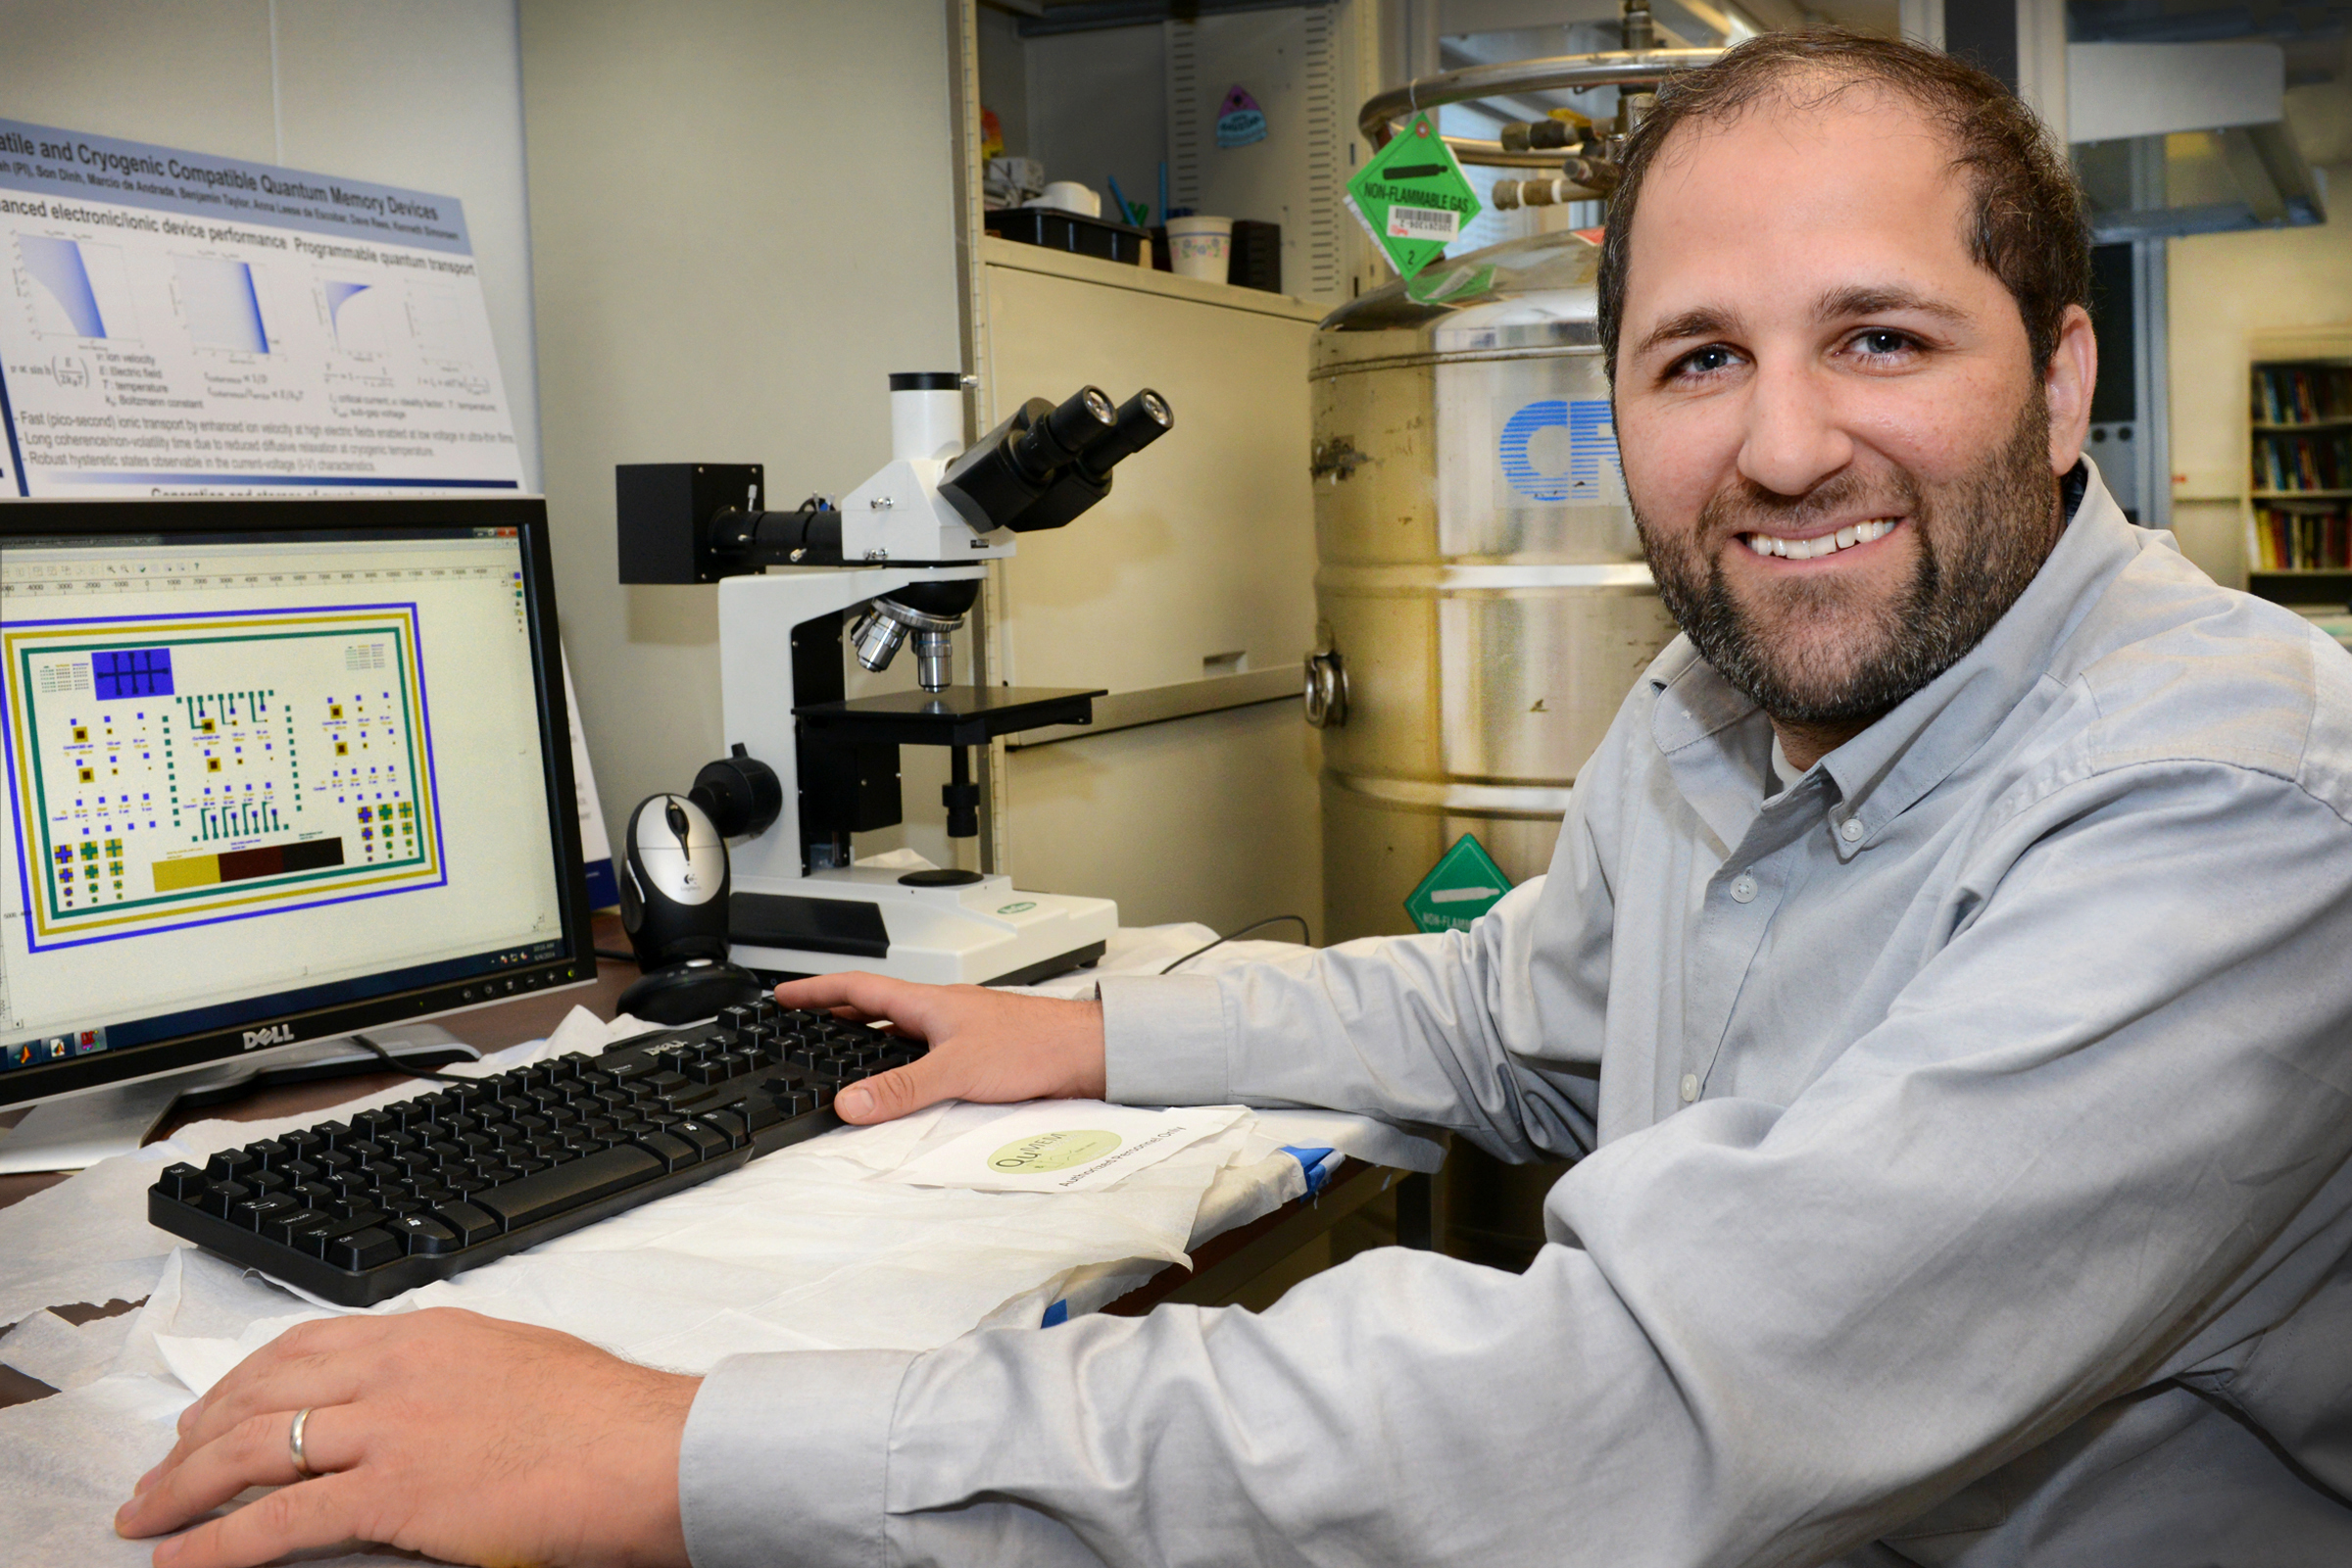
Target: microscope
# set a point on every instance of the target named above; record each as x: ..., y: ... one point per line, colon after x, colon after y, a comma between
x: 898, y: 558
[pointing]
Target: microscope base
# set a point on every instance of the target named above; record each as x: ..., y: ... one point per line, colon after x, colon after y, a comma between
x: 985, y: 932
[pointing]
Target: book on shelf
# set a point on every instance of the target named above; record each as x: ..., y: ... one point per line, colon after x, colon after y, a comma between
x: 2320, y: 460
x: 2302, y: 394
x: 2301, y: 538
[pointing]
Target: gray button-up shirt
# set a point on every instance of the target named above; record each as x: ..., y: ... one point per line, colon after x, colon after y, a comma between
x: 1964, y: 1138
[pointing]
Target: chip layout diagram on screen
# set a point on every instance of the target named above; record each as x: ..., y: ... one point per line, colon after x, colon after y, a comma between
x: 239, y: 766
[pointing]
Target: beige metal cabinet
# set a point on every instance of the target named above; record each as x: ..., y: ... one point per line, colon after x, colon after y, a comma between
x: 1189, y: 591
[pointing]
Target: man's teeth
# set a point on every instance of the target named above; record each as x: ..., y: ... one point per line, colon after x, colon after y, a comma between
x: 1845, y: 538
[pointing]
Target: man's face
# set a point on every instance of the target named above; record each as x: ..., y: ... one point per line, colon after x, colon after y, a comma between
x: 1839, y: 449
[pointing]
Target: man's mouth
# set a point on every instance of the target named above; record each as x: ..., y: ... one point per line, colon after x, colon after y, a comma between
x: 1828, y: 544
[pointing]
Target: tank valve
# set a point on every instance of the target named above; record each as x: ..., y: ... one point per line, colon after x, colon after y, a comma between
x: 1326, y: 689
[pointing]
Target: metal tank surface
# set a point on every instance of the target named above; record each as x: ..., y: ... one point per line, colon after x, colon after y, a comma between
x: 1484, y: 604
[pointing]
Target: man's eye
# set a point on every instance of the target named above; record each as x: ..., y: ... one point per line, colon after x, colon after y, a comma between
x: 1706, y: 361
x: 1879, y: 343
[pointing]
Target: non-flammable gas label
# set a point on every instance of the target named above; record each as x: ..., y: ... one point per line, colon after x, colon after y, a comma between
x: 1463, y: 885
x: 1412, y: 198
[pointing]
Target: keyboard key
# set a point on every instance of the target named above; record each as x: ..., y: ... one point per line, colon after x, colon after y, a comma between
x: 281, y: 1227
x: 250, y: 1214
x: 268, y: 1181
x: 336, y: 1133
x: 705, y: 1137
x: 468, y: 1223
x: 311, y: 1236
x: 763, y: 1111
x: 673, y: 1153
x: 221, y: 1197
x: 271, y: 1152
x: 567, y: 1187
x: 230, y: 1165
x: 365, y: 1248
x: 425, y: 1235
x: 182, y: 1181
x: 729, y: 1124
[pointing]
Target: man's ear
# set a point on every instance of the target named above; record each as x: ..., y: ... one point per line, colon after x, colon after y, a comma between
x: 2066, y: 386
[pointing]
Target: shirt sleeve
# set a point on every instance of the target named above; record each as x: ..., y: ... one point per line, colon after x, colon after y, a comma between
x: 1494, y: 1033
x: 1766, y: 1333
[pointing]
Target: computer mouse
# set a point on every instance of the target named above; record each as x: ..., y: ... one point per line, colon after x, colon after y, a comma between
x: 673, y: 882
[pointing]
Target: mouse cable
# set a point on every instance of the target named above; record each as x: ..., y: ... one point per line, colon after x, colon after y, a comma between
x: 1304, y: 935
x: 617, y: 954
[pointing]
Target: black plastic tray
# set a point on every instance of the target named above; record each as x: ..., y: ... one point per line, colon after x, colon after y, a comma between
x: 1057, y: 230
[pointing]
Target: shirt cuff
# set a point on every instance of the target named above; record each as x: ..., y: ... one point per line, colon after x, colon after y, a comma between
x: 785, y: 1456
x: 1164, y: 1040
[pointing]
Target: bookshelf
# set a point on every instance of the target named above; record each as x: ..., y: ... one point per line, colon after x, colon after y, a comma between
x: 2298, y: 496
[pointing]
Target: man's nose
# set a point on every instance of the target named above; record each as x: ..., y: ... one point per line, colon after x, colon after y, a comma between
x: 1793, y: 440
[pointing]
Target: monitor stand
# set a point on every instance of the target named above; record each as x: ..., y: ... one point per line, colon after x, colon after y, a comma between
x: 74, y: 1131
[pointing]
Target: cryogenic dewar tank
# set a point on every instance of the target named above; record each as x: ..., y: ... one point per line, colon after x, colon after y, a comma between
x: 1484, y: 606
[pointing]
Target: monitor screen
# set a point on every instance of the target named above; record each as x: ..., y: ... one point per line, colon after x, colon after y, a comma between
x: 275, y: 770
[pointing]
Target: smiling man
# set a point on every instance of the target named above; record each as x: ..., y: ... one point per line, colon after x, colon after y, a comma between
x: 1940, y: 977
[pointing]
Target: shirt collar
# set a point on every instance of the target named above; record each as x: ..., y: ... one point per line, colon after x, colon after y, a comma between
x: 1882, y: 772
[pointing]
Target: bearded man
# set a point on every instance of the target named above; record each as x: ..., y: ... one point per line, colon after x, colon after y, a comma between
x: 1940, y: 982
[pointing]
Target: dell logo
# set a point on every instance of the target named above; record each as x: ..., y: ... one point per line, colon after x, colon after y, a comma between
x: 278, y: 1034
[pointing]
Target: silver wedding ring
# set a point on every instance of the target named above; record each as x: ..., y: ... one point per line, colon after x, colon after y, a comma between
x: 302, y: 1465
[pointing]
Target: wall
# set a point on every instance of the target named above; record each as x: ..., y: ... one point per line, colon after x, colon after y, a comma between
x: 421, y: 93
x: 2224, y: 287
x: 743, y: 217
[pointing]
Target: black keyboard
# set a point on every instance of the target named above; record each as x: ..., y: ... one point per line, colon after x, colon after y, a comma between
x: 355, y: 1211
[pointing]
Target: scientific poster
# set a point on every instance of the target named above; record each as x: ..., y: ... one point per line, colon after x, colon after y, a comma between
x: 177, y: 323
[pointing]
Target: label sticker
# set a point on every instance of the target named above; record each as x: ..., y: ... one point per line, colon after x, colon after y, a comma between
x: 1412, y: 198
x: 1424, y: 222
x: 1240, y: 120
x: 1463, y: 885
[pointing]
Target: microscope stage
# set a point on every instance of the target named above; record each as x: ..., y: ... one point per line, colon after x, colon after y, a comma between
x: 958, y: 716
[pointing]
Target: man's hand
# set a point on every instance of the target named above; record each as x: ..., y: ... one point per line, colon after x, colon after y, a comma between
x: 441, y: 1431
x: 985, y: 1045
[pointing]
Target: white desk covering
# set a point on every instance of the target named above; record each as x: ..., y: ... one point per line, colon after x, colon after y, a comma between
x: 796, y: 1249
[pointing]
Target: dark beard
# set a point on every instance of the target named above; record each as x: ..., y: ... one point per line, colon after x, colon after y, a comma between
x: 1997, y: 524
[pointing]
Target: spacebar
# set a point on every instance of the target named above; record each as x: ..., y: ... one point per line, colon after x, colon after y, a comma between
x: 544, y: 1194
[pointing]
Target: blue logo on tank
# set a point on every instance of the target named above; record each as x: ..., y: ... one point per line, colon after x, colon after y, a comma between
x: 1591, y: 450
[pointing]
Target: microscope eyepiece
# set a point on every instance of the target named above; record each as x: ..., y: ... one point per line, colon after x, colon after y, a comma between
x: 1055, y: 441
x: 1141, y: 421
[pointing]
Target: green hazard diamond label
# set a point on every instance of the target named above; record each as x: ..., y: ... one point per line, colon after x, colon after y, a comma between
x: 1463, y: 885
x: 1411, y: 197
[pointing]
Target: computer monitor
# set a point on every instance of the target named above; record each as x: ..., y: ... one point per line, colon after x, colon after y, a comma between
x: 276, y: 771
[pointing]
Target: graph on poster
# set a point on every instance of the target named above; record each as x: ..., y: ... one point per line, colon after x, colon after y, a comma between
x: 245, y: 328
x: 182, y: 769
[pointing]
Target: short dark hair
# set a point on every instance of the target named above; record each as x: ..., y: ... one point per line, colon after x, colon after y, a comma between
x: 2030, y: 230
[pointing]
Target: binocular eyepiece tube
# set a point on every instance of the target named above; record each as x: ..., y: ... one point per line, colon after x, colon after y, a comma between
x: 1047, y: 463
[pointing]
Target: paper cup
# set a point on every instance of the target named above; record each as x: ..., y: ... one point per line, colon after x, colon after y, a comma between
x: 1200, y: 247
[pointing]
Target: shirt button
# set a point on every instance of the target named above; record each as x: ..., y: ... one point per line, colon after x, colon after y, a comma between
x: 1744, y: 889
x: 1850, y: 829
x: 1689, y: 1086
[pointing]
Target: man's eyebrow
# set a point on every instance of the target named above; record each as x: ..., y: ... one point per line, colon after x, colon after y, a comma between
x: 1705, y: 321
x: 1844, y: 304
